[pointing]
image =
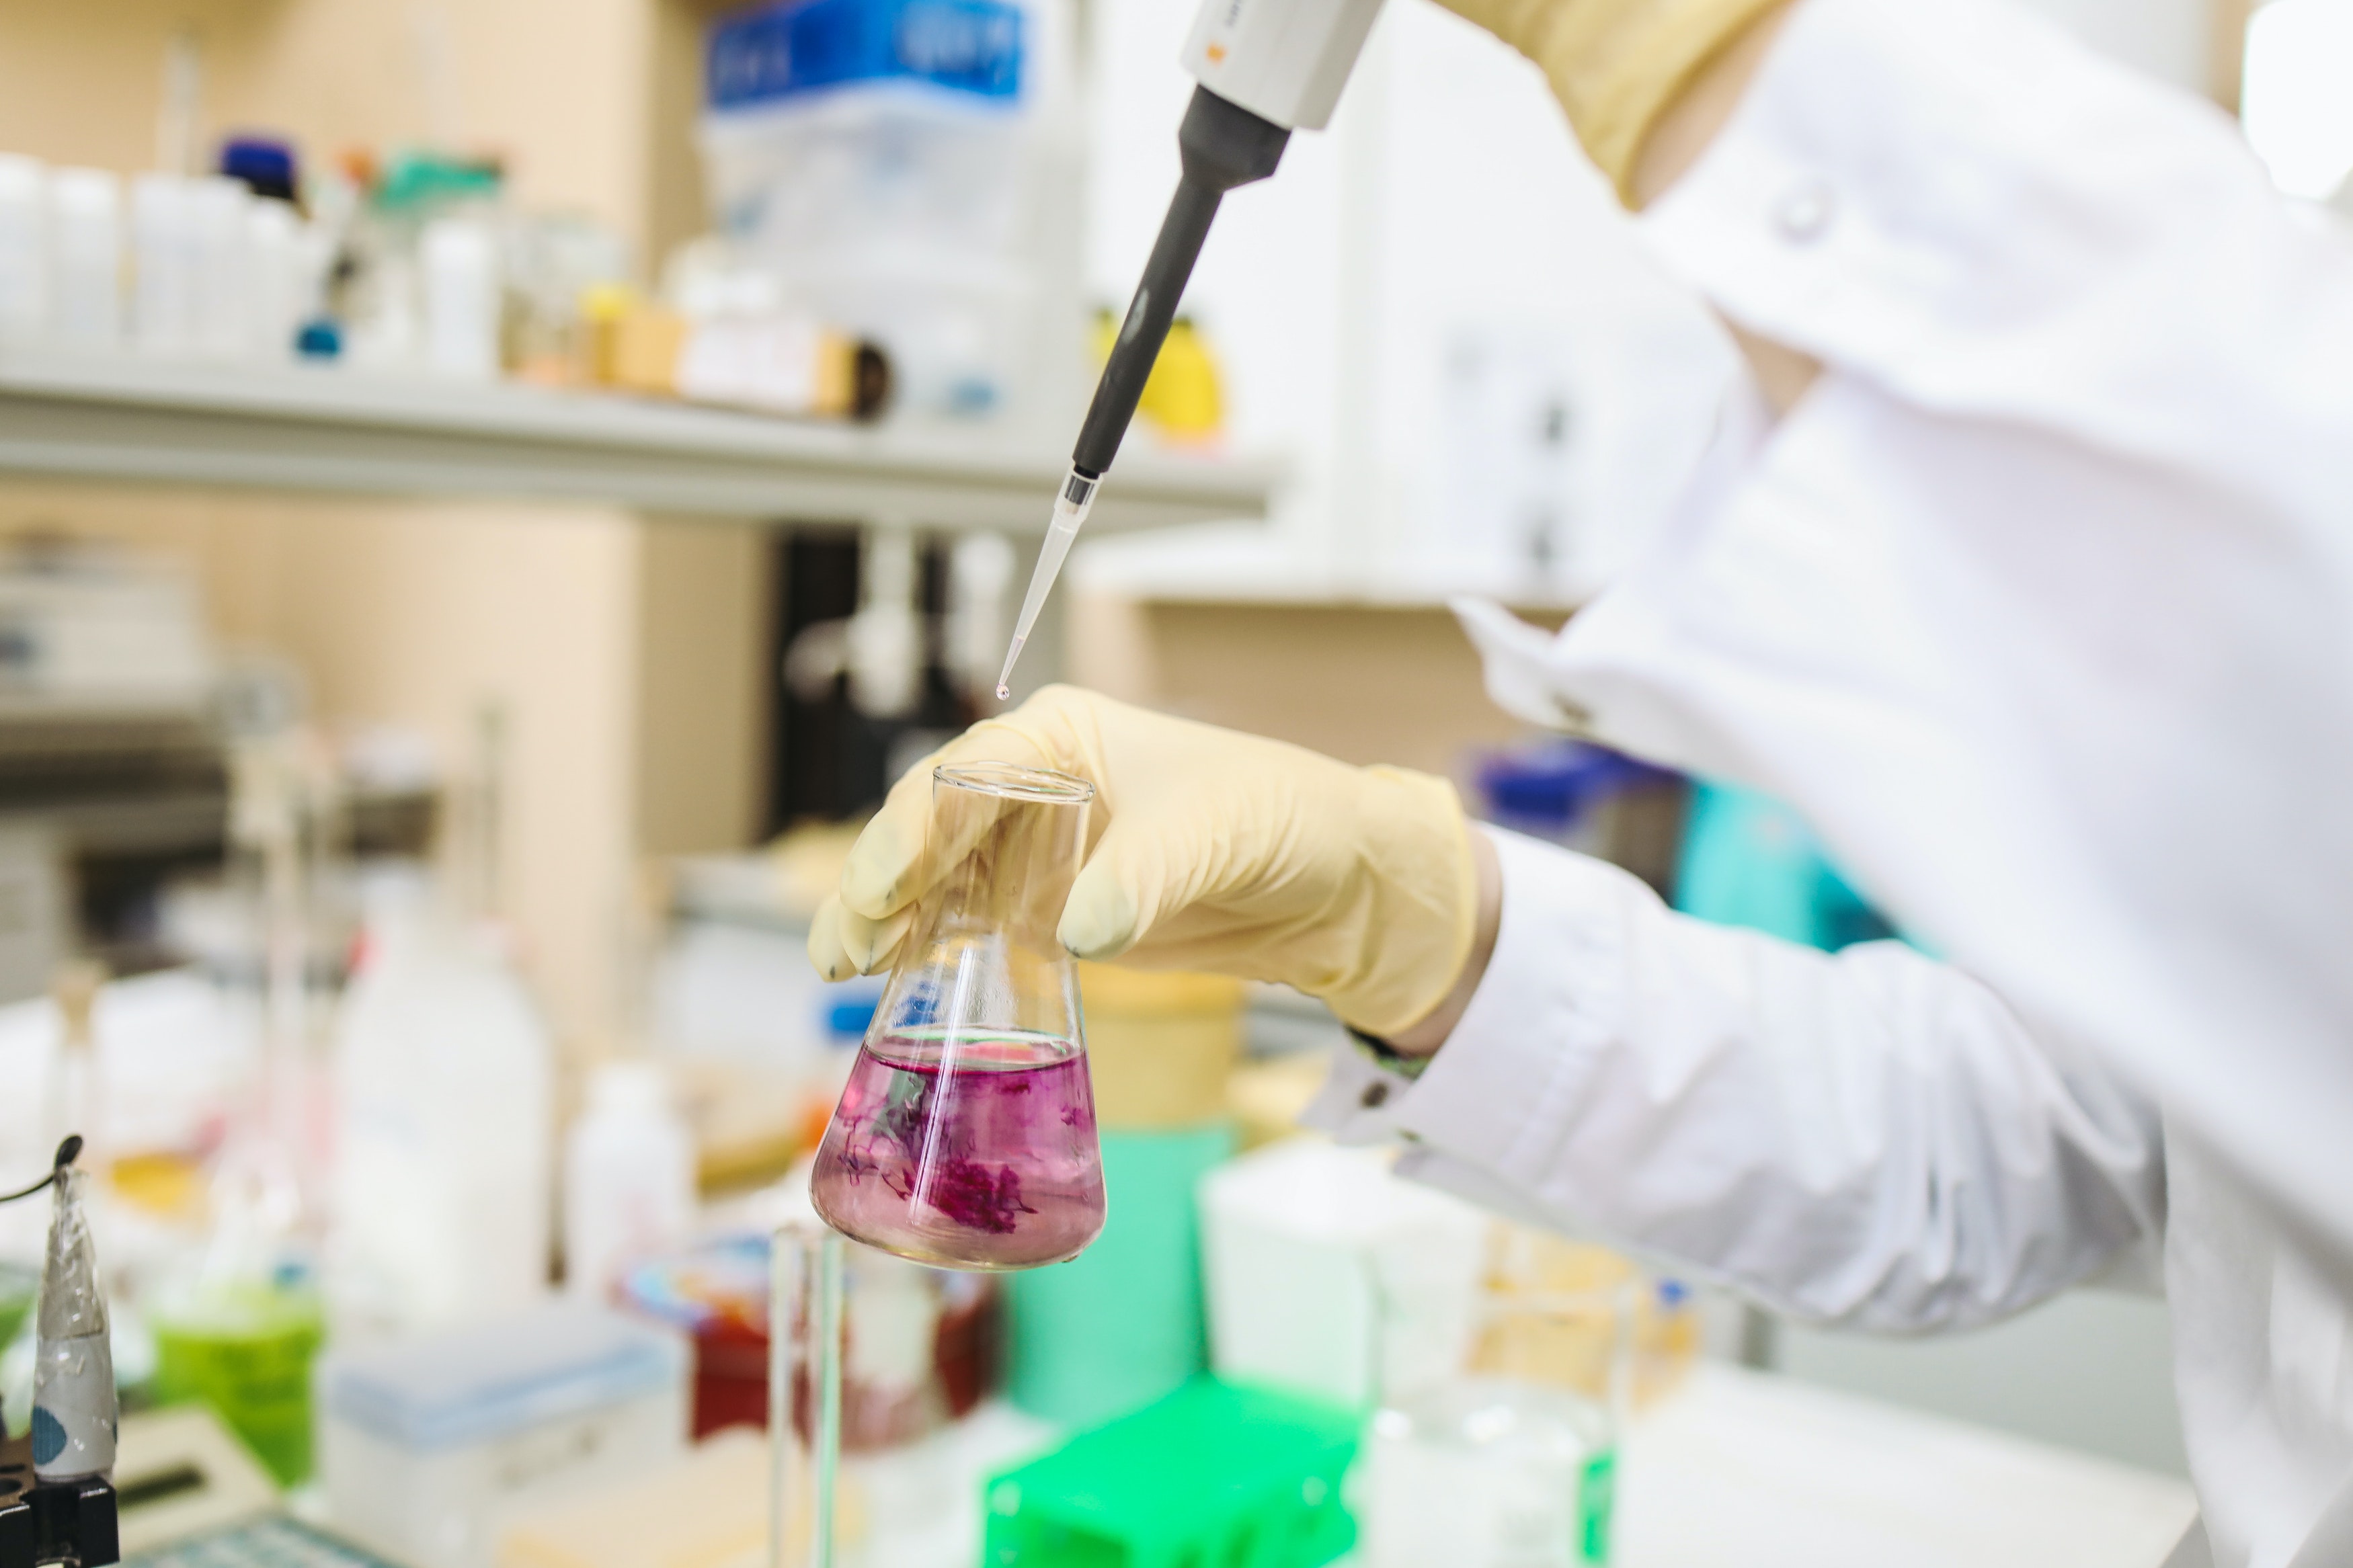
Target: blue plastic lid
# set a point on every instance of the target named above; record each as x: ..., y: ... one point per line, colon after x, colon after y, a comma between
x: 465, y: 1385
x: 851, y: 1020
x: 797, y: 47
x: 264, y: 164
x: 1553, y: 785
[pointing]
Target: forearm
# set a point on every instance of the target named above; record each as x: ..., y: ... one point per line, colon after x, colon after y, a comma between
x: 1870, y: 1138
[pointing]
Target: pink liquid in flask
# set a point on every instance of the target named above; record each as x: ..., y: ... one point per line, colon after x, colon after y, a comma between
x: 965, y: 1150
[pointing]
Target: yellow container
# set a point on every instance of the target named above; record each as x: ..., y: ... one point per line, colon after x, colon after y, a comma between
x: 1162, y: 1047
x: 1184, y: 398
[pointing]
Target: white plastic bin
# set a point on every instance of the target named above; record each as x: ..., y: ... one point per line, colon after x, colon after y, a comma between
x: 1330, y: 1274
x: 427, y: 1447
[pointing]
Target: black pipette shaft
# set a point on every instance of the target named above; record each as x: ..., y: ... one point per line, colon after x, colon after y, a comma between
x: 1223, y: 145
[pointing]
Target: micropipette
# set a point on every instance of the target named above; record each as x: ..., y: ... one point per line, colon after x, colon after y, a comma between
x: 1265, y: 68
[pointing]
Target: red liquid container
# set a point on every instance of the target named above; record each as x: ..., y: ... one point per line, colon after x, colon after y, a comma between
x: 965, y: 1136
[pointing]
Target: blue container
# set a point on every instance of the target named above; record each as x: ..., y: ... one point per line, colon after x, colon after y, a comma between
x: 1556, y: 791
x: 783, y: 51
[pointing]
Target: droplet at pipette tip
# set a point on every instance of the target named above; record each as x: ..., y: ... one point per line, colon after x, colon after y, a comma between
x: 1072, y: 504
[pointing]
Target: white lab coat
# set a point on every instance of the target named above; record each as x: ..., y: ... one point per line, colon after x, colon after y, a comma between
x: 2040, y: 606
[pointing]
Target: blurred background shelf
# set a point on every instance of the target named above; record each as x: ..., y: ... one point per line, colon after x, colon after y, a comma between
x: 343, y: 431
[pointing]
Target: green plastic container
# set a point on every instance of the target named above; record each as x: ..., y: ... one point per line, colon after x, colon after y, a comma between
x: 247, y: 1355
x: 20, y: 1287
x: 1122, y: 1324
x: 1214, y: 1474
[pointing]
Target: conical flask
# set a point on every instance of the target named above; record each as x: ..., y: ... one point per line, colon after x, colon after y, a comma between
x: 966, y: 1137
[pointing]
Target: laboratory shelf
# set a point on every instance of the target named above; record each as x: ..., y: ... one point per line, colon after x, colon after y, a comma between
x: 339, y: 430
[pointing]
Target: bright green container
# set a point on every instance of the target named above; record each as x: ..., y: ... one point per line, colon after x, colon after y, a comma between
x: 1122, y: 1324
x: 1215, y: 1474
x: 20, y: 1287
x: 247, y: 1353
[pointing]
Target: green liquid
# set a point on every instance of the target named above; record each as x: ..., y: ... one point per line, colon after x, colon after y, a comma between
x: 19, y: 1289
x: 247, y: 1355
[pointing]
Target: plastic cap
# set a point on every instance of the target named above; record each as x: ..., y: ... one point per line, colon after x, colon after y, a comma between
x: 264, y: 164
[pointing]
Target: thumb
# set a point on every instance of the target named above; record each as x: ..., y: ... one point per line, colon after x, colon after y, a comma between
x: 843, y: 942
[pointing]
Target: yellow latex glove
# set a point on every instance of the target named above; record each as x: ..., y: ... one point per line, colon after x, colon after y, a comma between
x: 1617, y: 66
x: 1210, y: 850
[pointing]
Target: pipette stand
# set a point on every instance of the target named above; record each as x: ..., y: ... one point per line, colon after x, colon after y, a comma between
x: 44, y: 1522
x: 806, y: 1266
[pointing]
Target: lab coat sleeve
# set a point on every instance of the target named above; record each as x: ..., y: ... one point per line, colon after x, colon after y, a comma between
x: 1868, y: 1140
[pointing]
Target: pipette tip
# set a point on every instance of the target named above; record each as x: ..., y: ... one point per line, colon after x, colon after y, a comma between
x: 1004, y: 676
x: 1076, y: 499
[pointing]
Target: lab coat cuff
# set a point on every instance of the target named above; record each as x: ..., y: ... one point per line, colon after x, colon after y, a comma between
x: 1523, y: 1048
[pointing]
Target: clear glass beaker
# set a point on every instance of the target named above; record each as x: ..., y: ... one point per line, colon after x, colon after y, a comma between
x: 1512, y: 1462
x: 966, y: 1137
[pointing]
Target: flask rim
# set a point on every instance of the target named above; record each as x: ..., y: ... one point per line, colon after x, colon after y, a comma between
x: 1011, y: 781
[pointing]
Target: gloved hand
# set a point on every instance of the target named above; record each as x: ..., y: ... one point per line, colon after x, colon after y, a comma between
x: 1211, y: 850
x: 1617, y: 66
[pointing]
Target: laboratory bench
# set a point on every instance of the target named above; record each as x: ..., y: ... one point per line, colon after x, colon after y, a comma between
x: 127, y: 417
x: 1733, y: 1470
x: 1745, y: 1470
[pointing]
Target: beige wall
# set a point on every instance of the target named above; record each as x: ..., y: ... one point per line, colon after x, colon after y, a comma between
x: 80, y: 81
x: 625, y: 657
x: 675, y: 208
x: 1364, y: 683
x: 703, y: 683
x: 425, y: 615
x: 559, y: 87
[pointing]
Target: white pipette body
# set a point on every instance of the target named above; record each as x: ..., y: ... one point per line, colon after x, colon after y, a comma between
x: 1072, y: 504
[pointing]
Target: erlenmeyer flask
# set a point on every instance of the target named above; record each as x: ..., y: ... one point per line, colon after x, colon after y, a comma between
x: 966, y: 1137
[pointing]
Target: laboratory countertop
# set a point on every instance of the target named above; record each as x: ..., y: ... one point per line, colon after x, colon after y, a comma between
x: 1741, y: 1470
x: 127, y: 417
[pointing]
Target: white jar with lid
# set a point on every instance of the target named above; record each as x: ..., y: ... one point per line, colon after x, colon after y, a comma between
x: 629, y: 1177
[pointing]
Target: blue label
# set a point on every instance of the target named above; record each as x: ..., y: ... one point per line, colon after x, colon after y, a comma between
x: 49, y: 1436
x: 784, y: 50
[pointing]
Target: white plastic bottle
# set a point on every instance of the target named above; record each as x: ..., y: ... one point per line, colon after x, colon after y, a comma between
x: 219, y: 217
x: 458, y: 261
x: 24, y: 248
x: 444, y: 1078
x: 167, y: 278
x: 629, y: 1177
x: 86, y: 258
x: 277, y: 292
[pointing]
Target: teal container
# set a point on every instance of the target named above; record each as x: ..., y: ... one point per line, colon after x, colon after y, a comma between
x: 1748, y: 861
x: 1122, y: 1324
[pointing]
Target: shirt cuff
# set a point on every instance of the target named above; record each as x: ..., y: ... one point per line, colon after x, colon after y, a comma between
x: 1506, y: 1080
